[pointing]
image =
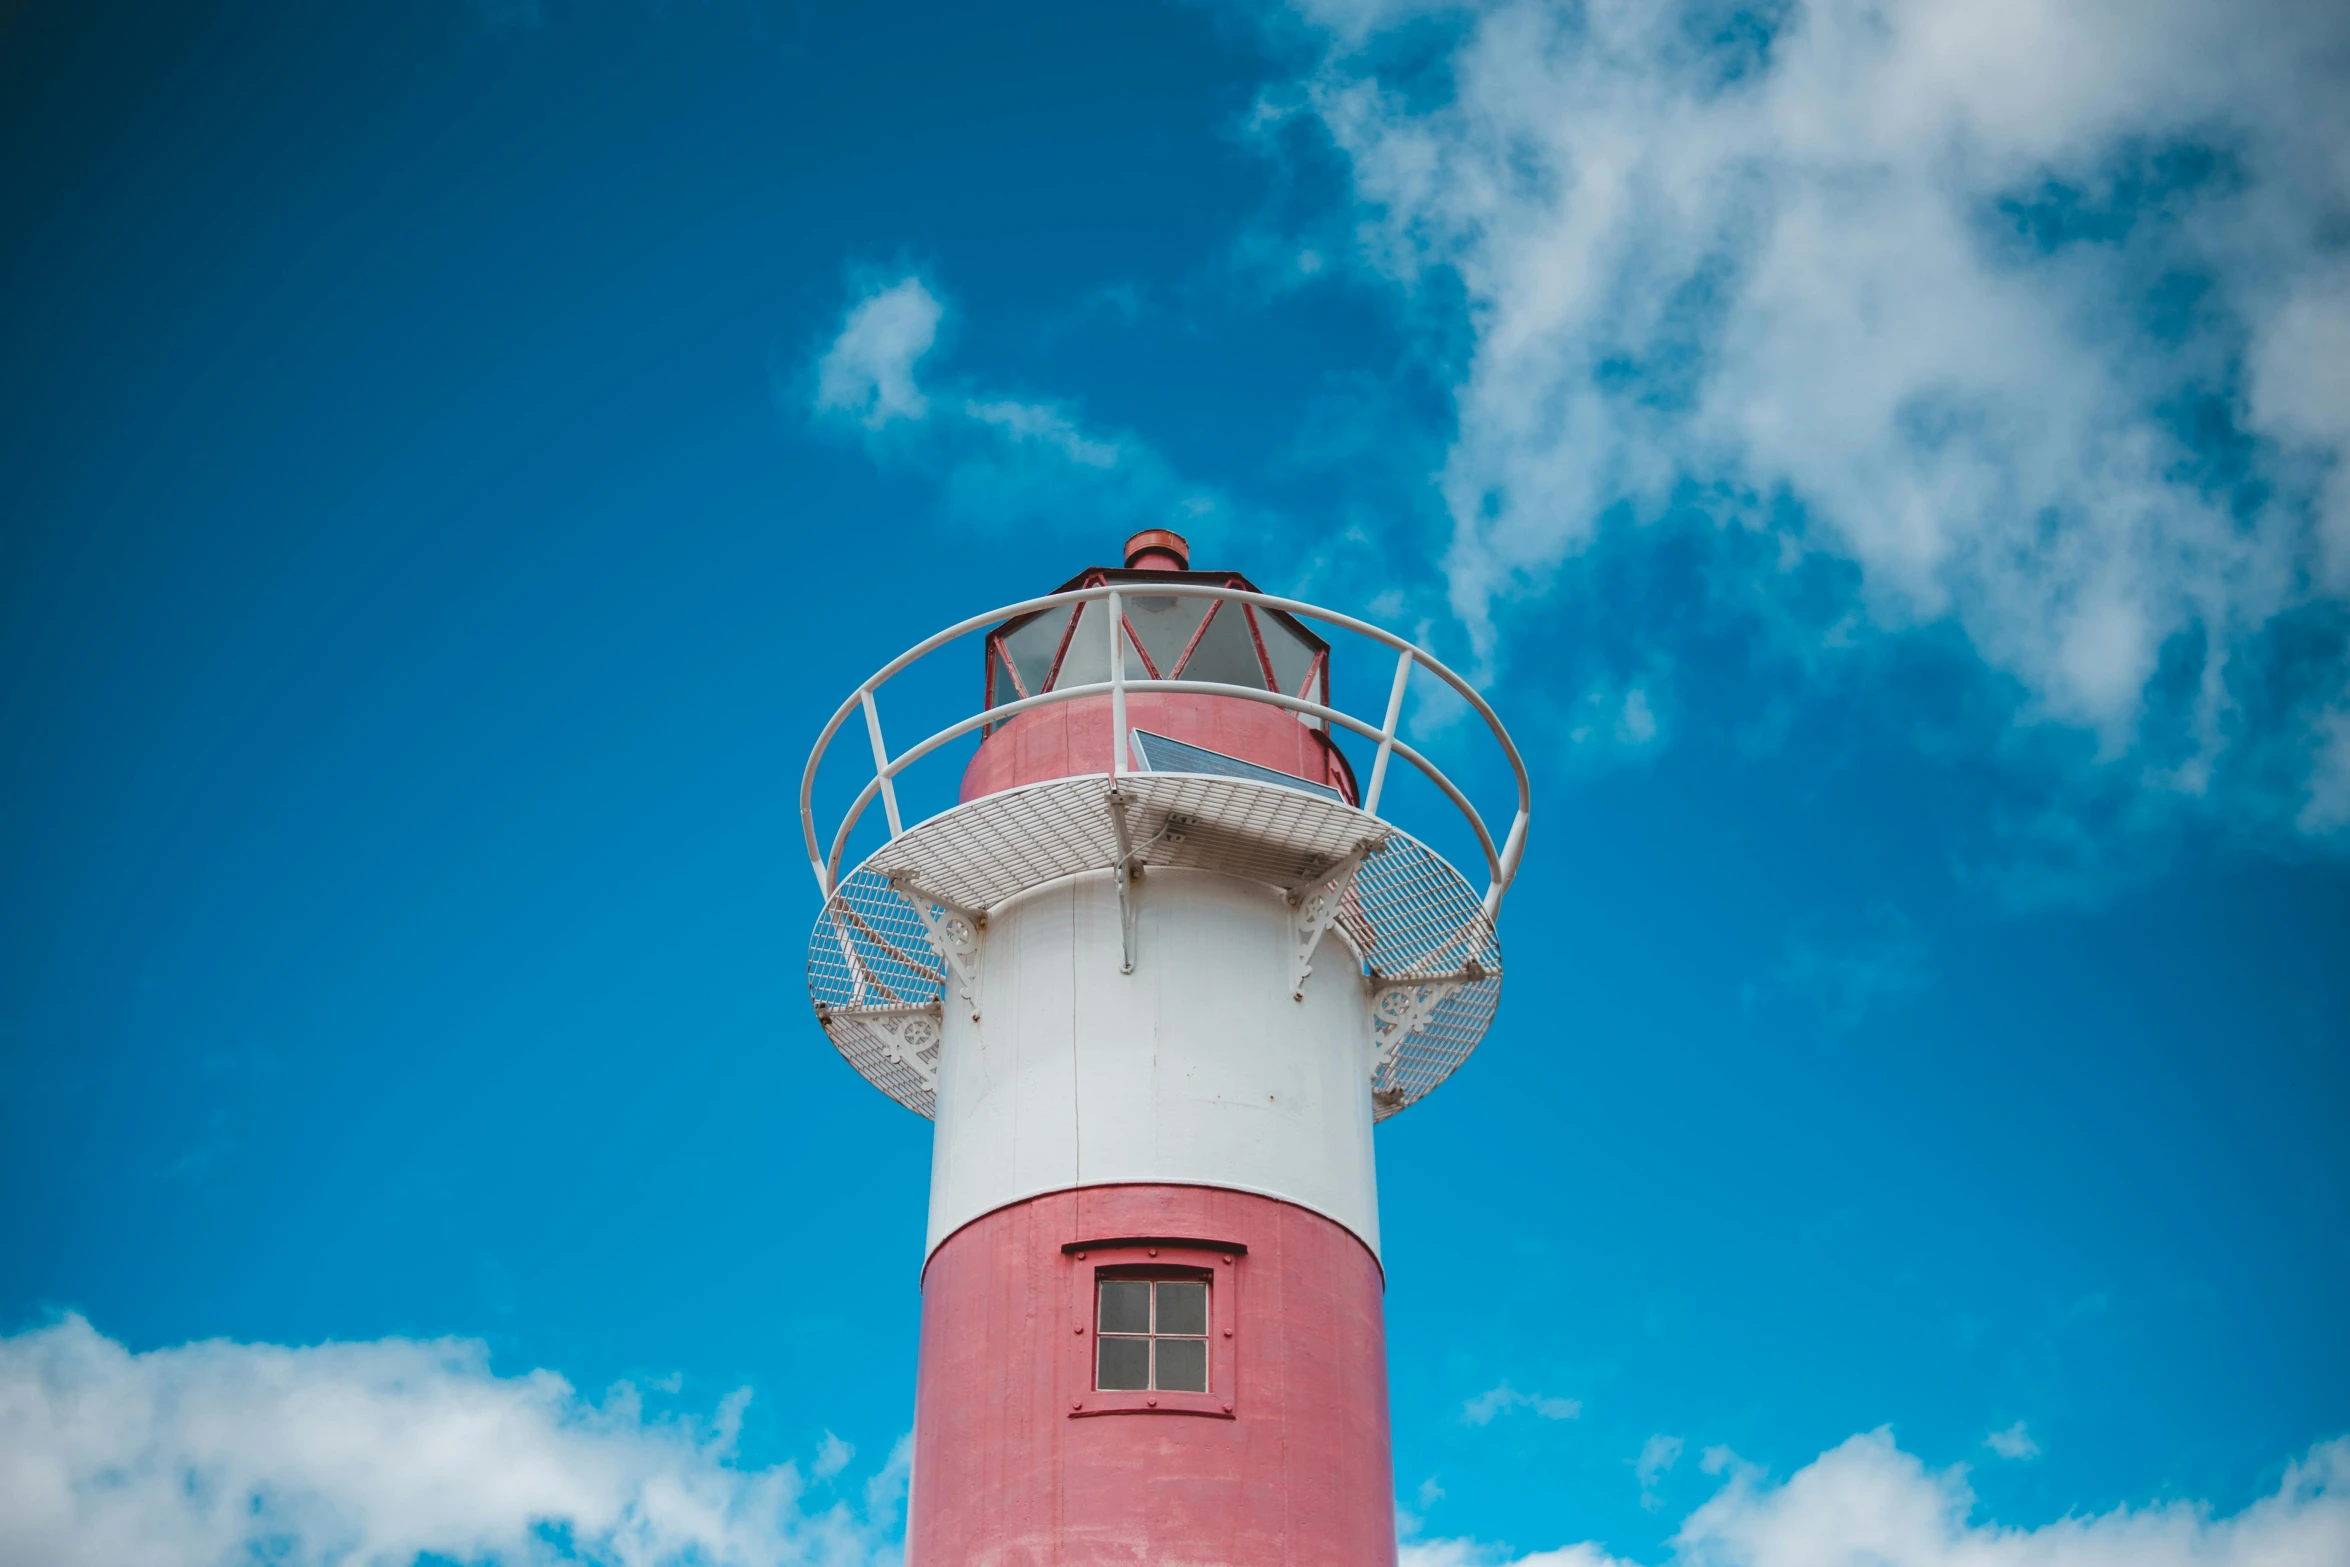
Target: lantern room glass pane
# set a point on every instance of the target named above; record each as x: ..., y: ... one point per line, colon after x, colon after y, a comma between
x: 1183, y: 1307
x: 1126, y: 1306
x: 1087, y: 663
x: 1123, y: 1364
x: 1164, y: 625
x: 1183, y: 1364
x: 1000, y: 688
x: 1226, y: 653
x: 1033, y: 645
x: 1292, y: 658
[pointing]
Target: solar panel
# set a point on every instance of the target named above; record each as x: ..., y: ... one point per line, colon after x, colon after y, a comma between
x: 1162, y: 755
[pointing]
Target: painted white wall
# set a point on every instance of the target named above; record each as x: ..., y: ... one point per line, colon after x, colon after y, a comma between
x: 1196, y: 1069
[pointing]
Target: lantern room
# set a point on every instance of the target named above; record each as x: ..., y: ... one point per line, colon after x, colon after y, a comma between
x: 1167, y: 637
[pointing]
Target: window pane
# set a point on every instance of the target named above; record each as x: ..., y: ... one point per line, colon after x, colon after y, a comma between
x: 1165, y: 625
x: 1126, y: 1306
x: 1087, y: 663
x: 1000, y: 688
x: 1183, y: 1364
x: 1225, y: 653
x: 1183, y: 1307
x: 1033, y: 645
x: 1291, y: 657
x: 1124, y: 1363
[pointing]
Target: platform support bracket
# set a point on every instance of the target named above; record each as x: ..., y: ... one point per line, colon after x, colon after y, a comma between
x: 1403, y: 1004
x: 1127, y: 870
x: 954, y: 934
x: 1313, y: 906
x: 907, y: 1032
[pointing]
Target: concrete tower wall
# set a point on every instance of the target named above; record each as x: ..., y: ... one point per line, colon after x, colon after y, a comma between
x: 1196, y: 1069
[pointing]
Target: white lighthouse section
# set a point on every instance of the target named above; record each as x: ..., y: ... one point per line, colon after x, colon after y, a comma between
x: 1217, y: 977
x: 1209, y: 1064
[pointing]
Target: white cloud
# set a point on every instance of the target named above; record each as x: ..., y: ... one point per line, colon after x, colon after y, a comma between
x: 2014, y: 1442
x: 376, y: 1453
x: 1951, y: 275
x: 832, y: 1456
x: 1638, y: 724
x: 1044, y: 423
x: 1657, y: 1457
x: 1607, y: 721
x: 2328, y: 804
x: 1501, y: 1398
x: 1467, y: 1553
x: 868, y: 372
x: 1868, y: 1504
x: 1004, y: 461
x: 886, y: 1488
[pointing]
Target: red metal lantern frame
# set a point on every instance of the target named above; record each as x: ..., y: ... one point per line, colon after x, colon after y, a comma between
x: 1315, y: 686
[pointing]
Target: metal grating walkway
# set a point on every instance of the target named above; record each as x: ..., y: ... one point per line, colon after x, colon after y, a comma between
x: 884, y: 950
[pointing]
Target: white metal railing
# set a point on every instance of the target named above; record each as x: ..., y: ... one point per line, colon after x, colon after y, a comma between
x: 1501, y: 861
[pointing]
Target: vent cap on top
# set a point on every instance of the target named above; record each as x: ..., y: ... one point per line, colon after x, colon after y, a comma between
x: 1158, y: 549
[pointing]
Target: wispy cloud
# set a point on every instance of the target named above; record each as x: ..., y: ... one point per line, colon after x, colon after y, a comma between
x: 2035, y: 317
x: 1469, y: 1553
x: 1868, y: 1501
x: 1502, y: 1398
x: 1047, y: 426
x: 1850, y: 966
x: 832, y: 1456
x: 384, y: 1451
x: 1657, y: 1457
x: 1001, y: 460
x: 868, y: 372
x: 2014, y: 1442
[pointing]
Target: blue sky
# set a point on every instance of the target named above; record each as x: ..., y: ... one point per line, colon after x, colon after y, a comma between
x: 1888, y: 469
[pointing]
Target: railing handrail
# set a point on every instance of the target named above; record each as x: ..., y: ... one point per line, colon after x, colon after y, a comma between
x: 1501, y: 863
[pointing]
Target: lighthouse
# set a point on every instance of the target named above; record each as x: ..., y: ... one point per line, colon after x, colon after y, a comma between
x: 1155, y: 977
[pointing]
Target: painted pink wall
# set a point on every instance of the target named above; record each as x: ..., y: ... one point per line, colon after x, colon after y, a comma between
x: 1008, y: 1474
x: 1074, y: 737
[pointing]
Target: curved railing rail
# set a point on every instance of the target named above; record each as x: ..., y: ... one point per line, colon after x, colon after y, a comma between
x: 1501, y: 861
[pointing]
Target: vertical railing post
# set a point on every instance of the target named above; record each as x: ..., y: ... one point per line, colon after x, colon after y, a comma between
x: 1387, y: 725
x: 889, y: 790
x: 1513, y: 848
x: 1117, y: 686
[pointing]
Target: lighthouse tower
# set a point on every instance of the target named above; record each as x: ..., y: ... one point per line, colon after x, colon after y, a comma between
x: 1155, y: 977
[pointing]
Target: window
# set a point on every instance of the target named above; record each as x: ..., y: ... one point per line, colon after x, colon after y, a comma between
x: 1226, y: 651
x: 1164, y: 627
x: 1165, y: 637
x: 1086, y: 660
x: 1156, y: 1322
x: 1152, y: 1335
x: 1034, y: 646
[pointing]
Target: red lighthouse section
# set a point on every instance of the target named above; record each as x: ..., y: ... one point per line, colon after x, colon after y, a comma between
x: 1140, y: 1374
x: 1166, y: 638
